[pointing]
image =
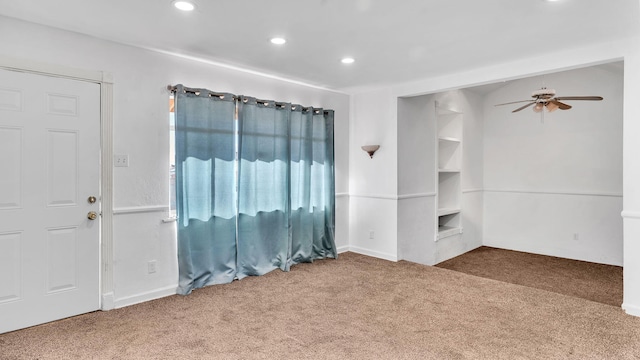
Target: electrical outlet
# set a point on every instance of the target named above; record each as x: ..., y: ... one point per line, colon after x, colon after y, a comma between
x: 372, y: 234
x: 121, y: 160
x: 151, y: 266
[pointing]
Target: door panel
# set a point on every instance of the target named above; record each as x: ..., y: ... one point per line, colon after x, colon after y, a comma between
x: 11, y: 180
x: 10, y: 99
x: 10, y: 269
x: 62, y: 255
x: 62, y: 168
x: 49, y: 166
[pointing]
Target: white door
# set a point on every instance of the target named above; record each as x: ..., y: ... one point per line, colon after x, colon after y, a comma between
x: 49, y: 167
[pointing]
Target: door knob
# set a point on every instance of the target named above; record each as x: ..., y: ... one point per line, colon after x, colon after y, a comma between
x: 92, y: 215
x: 91, y: 199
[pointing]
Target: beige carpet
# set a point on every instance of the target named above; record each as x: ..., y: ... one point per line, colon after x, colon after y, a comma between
x: 352, y: 308
x: 595, y: 282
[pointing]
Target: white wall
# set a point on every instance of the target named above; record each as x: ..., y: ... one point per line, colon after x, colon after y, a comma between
x: 631, y: 181
x: 141, y: 130
x: 548, y: 183
x: 416, y: 179
x: 472, y: 181
x: 373, y: 186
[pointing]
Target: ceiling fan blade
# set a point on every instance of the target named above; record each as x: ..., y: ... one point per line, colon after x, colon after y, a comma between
x: 524, y: 107
x: 513, y: 102
x: 561, y: 106
x: 594, y: 98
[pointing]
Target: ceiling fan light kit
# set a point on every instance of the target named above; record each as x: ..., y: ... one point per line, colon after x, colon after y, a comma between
x: 538, y: 107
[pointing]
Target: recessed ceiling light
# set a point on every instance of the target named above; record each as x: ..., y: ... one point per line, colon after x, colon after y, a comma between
x: 184, y: 5
x: 347, y: 60
x: 278, y: 41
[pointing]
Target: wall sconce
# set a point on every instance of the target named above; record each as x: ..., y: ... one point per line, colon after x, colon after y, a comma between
x: 370, y: 149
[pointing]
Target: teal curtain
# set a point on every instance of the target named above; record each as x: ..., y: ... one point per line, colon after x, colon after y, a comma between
x: 263, y: 191
x: 277, y: 210
x: 312, y: 185
x: 205, y: 188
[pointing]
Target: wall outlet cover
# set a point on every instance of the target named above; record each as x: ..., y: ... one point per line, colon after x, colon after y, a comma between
x: 151, y: 266
x: 121, y: 160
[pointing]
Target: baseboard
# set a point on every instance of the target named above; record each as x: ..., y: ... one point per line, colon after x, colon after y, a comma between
x: 631, y: 309
x: 343, y: 249
x: 147, y: 296
x: 107, y: 302
x: 561, y: 252
x: 372, y: 253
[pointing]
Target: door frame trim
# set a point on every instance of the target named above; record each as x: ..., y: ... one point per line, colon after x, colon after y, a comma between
x: 105, y: 80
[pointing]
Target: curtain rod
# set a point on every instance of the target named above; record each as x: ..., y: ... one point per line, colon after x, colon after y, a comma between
x: 173, y: 89
x: 197, y: 91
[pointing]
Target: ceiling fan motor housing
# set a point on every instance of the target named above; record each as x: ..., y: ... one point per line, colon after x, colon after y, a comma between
x: 543, y: 93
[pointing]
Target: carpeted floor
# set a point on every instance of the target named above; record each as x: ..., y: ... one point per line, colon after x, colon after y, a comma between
x: 595, y: 282
x: 355, y: 307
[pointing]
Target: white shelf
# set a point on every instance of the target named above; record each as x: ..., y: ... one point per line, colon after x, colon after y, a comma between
x: 446, y: 231
x: 448, y: 138
x: 448, y: 211
x: 447, y: 111
x: 449, y: 126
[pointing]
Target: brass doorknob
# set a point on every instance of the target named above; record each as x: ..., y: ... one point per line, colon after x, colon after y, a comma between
x: 92, y: 215
x: 91, y: 199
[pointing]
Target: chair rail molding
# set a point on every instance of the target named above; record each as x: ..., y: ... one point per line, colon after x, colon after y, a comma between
x: 555, y: 192
x: 375, y: 196
x: 468, y: 191
x: 140, y: 209
x: 630, y: 214
x: 416, y: 196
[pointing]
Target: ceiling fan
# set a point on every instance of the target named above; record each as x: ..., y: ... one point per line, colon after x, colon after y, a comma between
x: 546, y: 98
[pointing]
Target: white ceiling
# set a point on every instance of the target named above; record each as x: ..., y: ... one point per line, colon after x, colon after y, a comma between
x: 392, y: 40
